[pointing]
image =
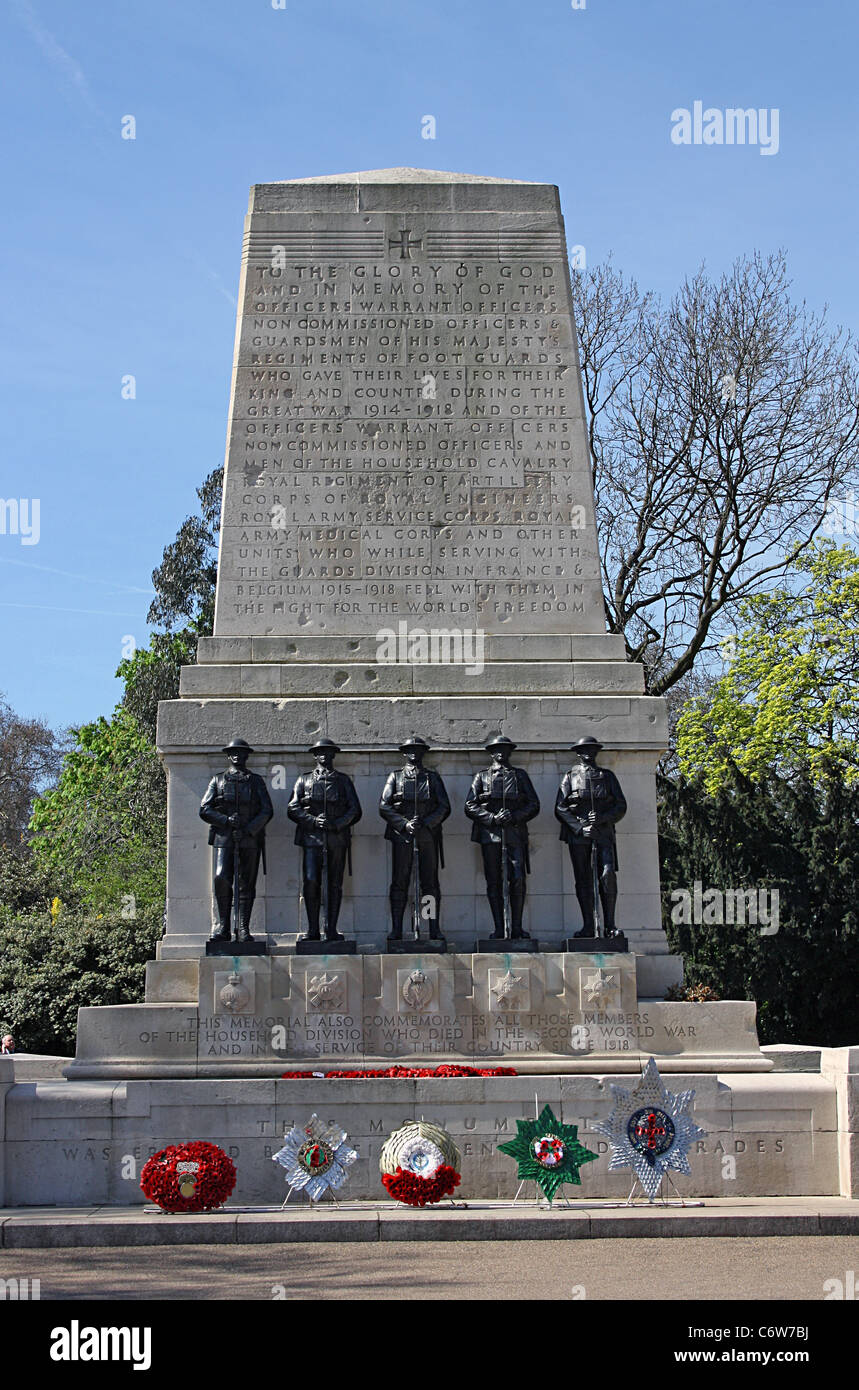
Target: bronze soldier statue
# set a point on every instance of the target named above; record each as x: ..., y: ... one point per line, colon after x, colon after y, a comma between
x: 237, y: 807
x: 589, y: 804
x: 414, y: 804
x: 501, y: 802
x: 324, y: 807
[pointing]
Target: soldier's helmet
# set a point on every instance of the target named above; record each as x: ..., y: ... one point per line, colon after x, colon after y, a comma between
x: 323, y: 743
x: 585, y: 744
x: 237, y: 745
x: 416, y: 742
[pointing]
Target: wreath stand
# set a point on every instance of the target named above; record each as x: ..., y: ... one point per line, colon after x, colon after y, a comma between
x: 313, y: 1206
x: 663, y: 1201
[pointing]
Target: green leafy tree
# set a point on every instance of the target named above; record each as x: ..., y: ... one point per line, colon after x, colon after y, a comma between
x: 186, y: 579
x: 789, y: 701
x: 27, y: 886
x: 103, y: 827
x: 104, y: 824
x: 770, y: 834
x: 152, y: 674
x: 768, y: 797
x: 49, y: 970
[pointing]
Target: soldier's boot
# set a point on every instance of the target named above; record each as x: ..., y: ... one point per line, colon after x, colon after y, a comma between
x: 312, y: 897
x: 398, y: 907
x: 335, y: 898
x: 517, y: 907
x: 608, y: 898
x: 224, y: 900
x: 246, y: 907
x: 434, y: 927
x: 587, y: 910
x: 496, y: 907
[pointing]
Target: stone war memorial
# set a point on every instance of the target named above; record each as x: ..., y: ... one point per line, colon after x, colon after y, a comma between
x: 411, y: 778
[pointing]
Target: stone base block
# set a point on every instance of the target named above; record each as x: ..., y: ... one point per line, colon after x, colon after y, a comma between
x: 509, y: 943
x: 597, y: 943
x: 85, y: 1142
x: 236, y: 948
x: 324, y: 948
x: 408, y: 946
x: 543, y: 1012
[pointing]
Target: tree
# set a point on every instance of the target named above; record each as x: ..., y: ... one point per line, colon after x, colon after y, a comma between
x: 49, y: 970
x: 104, y: 824
x: 720, y: 426
x: 789, y: 701
x: 186, y: 579
x: 185, y: 584
x: 769, y: 797
x: 769, y: 834
x: 152, y: 674
x: 103, y: 827
x: 30, y: 758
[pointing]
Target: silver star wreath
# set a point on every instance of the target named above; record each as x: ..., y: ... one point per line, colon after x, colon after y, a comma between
x: 650, y: 1130
x: 316, y: 1157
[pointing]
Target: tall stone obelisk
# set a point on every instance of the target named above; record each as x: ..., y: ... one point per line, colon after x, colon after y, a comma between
x: 408, y: 545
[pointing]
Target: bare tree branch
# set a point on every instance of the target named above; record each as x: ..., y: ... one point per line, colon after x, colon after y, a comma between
x: 720, y: 425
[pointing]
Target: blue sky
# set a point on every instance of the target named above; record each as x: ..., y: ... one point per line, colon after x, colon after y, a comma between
x: 122, y: 256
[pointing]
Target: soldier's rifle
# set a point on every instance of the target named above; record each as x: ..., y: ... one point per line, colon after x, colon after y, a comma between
x: 594, y: 858
x: 237, y: 834
x: 416, y: 871
x: 324, y: 894
x: 505, y: 866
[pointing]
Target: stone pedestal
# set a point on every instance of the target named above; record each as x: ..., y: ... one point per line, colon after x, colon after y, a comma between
x: 236, y: 948
x: 408, y: 946
x: 85, y: 1142
x: 552, y: 1013
x: 325, y: 948
x: 408, y: 545
x: 615, y: 943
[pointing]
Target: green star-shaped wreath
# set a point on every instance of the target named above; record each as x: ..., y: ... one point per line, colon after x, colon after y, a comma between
x: 547, y: 1151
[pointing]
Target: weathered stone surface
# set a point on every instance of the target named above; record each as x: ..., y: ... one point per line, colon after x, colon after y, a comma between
x: 409, y: 544
x: 541, y: 1012
x: 88, y: 1145
x: 839, y: 1066
x: 219, y: 651
x: 407, y: 437
x: 348, y: 679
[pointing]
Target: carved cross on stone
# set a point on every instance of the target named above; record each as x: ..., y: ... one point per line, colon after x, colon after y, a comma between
x: 402, y: 240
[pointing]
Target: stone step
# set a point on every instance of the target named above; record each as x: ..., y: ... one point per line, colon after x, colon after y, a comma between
x: 216, y: 651
x: 58, y: 1228
x: 347, y: 679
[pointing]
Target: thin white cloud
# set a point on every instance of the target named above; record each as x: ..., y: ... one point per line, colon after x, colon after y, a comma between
x: 214, y: 276
x: 50, y: 608
x: 68, y: 67
x: 85, y: 578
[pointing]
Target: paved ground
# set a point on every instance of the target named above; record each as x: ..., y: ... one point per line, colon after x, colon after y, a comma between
x: 764, y: 1268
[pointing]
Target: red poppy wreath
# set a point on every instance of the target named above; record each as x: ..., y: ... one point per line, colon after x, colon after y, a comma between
x: 188, y: 1177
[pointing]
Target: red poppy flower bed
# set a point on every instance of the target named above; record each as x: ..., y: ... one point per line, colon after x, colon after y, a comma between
x: 416, y: 1191
x: 188, y: 1177
x: 446, y: 1069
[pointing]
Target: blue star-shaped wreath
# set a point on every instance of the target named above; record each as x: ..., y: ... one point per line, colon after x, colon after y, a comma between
x: 650, y: 1130
x: 547, y: 1151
